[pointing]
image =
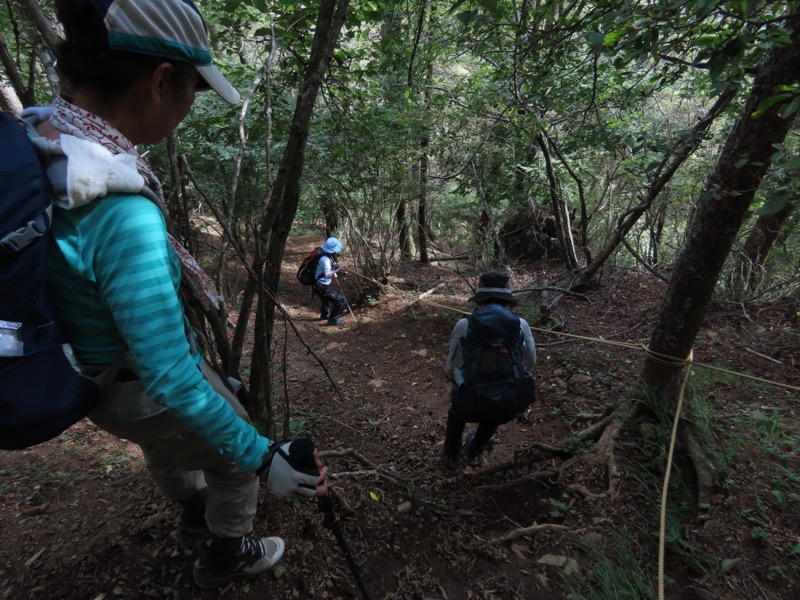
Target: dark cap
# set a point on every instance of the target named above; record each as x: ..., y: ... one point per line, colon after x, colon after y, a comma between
x: 493, y: 284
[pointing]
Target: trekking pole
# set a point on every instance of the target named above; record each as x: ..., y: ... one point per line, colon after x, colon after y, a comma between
x: 347, y: 304
x: 333, y: 521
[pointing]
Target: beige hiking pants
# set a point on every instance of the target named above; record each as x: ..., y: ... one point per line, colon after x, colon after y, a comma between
x: 180, y: 461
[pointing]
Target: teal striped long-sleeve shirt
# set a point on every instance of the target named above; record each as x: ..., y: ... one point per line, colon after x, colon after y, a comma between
x: 113, y: 278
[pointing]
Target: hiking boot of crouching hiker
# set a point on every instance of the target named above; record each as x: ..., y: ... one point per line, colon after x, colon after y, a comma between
x: 234, y: 559
x: 451, y: 462
x: 476, y: 456
x: 192, y: 528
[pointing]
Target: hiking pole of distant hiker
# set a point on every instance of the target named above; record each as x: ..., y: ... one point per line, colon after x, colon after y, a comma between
x: 333, y: 521
x: 339, y: 285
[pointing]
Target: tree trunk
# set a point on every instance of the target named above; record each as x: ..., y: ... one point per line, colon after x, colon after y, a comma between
x: 331, y: 219
x: 758, y: 245
x: 626, y: 222
x: 9, y: 102
x: 728, y: 192
x: 560, y: 212
x: 46, y: 40
x: 422, y: 204
x: 11, y: 70
x: 283, y: 201
x: 403, y: 236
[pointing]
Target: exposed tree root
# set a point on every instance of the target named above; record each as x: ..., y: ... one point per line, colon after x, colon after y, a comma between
x: 537, y: 476
x: 532, y: 530
x: 703, y: 467
x: 534, y: 453
x: 606, y: 433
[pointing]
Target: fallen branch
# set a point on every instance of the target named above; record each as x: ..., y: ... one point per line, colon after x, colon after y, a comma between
x: 372, y: 469
x: 777, y: 362
x: 424, y: 295
x: 348, y: 452
x: 583, y: 297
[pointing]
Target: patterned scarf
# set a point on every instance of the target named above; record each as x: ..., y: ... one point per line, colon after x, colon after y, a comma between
x: 75, y: 121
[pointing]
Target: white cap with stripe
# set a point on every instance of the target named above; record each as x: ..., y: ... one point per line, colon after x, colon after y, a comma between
x: 172, y: 29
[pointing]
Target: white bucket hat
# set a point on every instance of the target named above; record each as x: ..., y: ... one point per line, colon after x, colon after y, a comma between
x: 165, y: 28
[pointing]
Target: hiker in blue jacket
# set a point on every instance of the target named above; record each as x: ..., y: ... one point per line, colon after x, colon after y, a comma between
x: 494, y: 300
x: 129, y: 71
x: 333, y: 301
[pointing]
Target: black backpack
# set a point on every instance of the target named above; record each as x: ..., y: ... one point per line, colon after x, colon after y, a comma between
x: 41, y: 392
x: 307, y: 272
x: 496, y: 386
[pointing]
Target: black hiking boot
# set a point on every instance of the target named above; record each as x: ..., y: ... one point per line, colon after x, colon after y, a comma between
x: 476, y: 457
x: 234, y: 559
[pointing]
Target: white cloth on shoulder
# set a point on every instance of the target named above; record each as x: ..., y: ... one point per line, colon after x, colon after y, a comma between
x: 93, y: 171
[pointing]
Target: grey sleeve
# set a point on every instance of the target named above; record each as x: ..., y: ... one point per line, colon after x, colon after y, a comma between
x: 528, y: 345
x: 454, y: 359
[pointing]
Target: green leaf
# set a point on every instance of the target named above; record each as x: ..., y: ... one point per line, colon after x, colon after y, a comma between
x: 776, y: 201
x: 766, y: 104
x: 490, y: 6
x: 466, y: 17
x: 790, y: 109
x: 716, y: 65
x: 596, y: 40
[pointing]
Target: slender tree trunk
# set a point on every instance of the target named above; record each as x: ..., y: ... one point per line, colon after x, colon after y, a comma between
x: 23, y: 92
x: 46, y: 41
x: 422, y: 204
x: 728, y: 193
x: 758, y: 245
x: 331, y: 219
x: 631, y: 216
x: 283, y: 201
x: 560, y: 212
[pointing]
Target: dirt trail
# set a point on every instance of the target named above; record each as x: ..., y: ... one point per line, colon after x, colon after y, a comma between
x: 80, y: 518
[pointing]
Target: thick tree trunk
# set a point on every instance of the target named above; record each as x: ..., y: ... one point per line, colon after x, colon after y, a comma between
x: 728, y: 192
x: 282, y: 206
x: 403, y: 236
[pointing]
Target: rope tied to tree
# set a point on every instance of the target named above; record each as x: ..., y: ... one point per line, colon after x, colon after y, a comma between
x: 669, y: 361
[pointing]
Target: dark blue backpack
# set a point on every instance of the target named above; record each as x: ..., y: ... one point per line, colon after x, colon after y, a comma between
x: 41, y: 393
x: 496, y: 386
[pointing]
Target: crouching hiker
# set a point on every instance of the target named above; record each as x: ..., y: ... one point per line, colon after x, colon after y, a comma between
x: 131, y: 69
x: 490, y: 353
x: 333, y: 300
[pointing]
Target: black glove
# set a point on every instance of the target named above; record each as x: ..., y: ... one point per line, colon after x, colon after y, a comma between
x: 290, y: 470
